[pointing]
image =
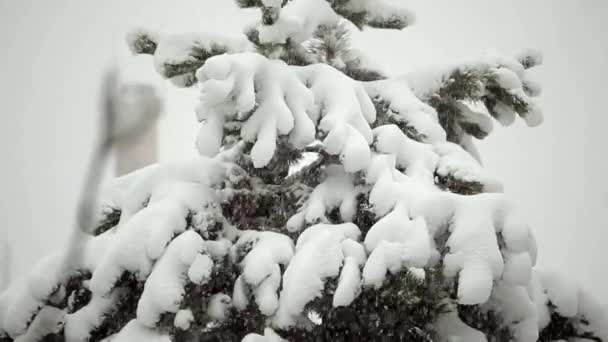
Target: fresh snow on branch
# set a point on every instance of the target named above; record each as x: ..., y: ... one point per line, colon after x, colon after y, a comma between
x: 501, y: 83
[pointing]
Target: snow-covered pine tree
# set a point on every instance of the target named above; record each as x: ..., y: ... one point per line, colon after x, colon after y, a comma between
x: 331, y: 202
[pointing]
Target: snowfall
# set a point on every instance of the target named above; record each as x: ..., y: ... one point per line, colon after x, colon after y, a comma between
x: 491, y: 250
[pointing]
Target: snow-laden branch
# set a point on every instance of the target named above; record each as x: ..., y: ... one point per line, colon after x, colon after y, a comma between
x: 178, y: 56
x: 501, y: 85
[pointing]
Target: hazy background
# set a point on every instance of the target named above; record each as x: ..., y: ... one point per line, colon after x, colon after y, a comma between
x: 53, y: 53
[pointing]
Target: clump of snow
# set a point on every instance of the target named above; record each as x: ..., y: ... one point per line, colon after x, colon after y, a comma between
x: 517, y: 311
x: 200, y: 270
x: 140, y: 40
x: 49, y: 320
x: 530, y: 58
x: 344, y: 112
x: 480, y: 120
x: 132, y: 192
x: 395, y: 242
x: 337, y: 191
x: 183, y: 319
x: 155, y: 203
x: 113, y: 194
x: 473, y: 223
x: 218, y: 249
x: 526, y: 310
x: 506, y: 78
x: 518, y: 267
x: 319, y: 255
x: 240, y: 294
x: 456, y: 162
x: 569, y: 301
x: 539, y: 298
x: 474, y: 255
x: 266, y: 250
x: 133, y: 251
x: 24, y: 299
x: 591, y: 310
x: 532, y: 87
x: 164, y: 288
x: 423, y: 161
x: 534, y: 115
x: 349, y: 283
x: 218, y: 306
x: 202, y: 171
x: 405, y: 107
x: 282, y: 103
x: 261, y: 271
x: 298, y: 20
x: 78, y: 325
x: 384, y: 179
x: 562, y: 292
x: 504, y: 114
x: 265, y: 293
x: 417, y: 273
x: 418, y: 159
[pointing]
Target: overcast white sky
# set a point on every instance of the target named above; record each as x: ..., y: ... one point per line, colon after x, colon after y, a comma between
x: 54, y: 51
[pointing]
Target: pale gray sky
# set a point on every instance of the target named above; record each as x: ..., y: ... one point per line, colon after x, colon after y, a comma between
x: 54, y: 51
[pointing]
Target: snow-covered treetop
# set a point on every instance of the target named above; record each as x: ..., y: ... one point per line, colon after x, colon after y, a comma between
x: 305, y: 34
x: 324, y: 191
